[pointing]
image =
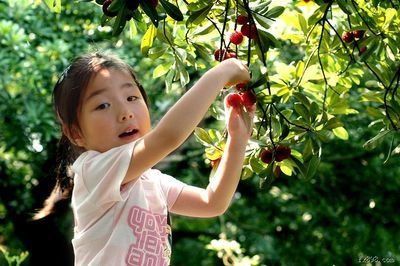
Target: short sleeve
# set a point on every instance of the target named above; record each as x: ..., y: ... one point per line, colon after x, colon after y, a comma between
x: 170, y: 187
x: 102, y: 174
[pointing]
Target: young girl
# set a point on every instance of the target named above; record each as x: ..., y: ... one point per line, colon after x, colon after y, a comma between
x: 120, y: 203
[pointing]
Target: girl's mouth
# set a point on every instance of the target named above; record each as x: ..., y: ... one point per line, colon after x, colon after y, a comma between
x: 128, y: 133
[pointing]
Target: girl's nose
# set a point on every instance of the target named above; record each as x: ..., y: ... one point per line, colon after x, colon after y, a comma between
x: 126, y: 115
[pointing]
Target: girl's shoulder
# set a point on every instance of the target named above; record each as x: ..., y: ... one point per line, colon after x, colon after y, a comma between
x: 151, y: 174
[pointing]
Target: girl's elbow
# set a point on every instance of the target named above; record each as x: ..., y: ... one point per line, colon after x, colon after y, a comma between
x: 218, y: 210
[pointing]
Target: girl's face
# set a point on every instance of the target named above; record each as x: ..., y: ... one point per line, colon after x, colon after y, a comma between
x: 113, y: 112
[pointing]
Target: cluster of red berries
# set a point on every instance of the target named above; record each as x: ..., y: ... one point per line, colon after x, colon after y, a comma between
x: 350, y: 36
x: 280, y: 152
x: 246, y: 99
x: 248, y: 29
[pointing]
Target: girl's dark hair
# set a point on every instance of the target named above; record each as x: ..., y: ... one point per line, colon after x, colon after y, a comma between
x: 67, y: 96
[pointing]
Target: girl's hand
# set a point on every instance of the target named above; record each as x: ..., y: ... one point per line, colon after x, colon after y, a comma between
x: 239, y: 121
x: 236, y: 71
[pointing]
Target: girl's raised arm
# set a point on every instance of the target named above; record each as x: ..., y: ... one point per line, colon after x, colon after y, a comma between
x: 180, y: 121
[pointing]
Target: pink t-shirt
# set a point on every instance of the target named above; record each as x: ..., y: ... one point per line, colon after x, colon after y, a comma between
x: 120, y: 224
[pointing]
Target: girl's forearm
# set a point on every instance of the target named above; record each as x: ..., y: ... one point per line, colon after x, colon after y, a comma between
x: 180, y: 121
x: 226, y: 178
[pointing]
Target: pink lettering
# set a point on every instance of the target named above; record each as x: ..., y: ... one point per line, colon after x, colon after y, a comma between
x: 150, y: 229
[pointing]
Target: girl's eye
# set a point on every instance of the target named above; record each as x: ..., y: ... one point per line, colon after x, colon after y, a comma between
x: 102, y: 106
x: 132, y: 98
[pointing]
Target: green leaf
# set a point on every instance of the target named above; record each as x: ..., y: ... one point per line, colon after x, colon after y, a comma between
x: 202, y: 136
x: 263, y: 21
x: 260, y: 81
x: 172, y: 10
x: 148, y: 38
x: 275, y: 12
x: 162, y: 69
x: 267, y: 175
x: 317, y: 15
x: 345, y: 7
x: 377, y: 140
x: 269, y: 38
x: 341, y: 133
x: 150, y: 11
x: 332, y: 123
x: 311, y: 167
x: 202, y: 51
x: 302, y: 98
x: 116, y: 6
x: 246, y: 173
x: 199, y: 15
x: 302, y: 111
x: 303, y: 23
x: 157, y: 51
x: 120, y: 21
x: 256, y: 165
x: 285, y: 131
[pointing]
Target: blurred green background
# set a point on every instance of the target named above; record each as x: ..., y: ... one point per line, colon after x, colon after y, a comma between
x: 347, y: 214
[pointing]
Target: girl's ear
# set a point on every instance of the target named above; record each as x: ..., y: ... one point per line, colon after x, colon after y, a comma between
x: 74, y: 135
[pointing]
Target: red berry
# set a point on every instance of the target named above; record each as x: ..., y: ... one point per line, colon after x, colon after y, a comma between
x: 106, y: 4
x: 241, y: 87
x: 242, y: 19
x: 362, y: 50
x: 266, y: 156
x: 249, y: 98
x: 347, y: 36
x: 358, y: 34
x: 222, y: 54
x: 231, y: 55
x: 234, y: 100
x: 249, y: 30
x: 236, y: 37
x: 282, y: 153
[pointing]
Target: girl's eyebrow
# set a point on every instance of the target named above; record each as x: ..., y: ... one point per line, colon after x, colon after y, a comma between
x: 126, y: 85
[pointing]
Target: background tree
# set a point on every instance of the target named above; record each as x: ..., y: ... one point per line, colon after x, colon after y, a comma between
x: 325, y: 75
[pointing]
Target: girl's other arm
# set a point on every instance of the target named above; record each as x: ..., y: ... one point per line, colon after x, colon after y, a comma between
x: 180, y: 121
x: 215, y: 199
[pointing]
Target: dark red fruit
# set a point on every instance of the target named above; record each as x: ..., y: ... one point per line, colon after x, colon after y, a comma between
x: 362, y: 50
x: 222, y: 54
x: 236, y: 37
x: 132, y: 4
x: 266, y: 156
x: 234, y: 100
x: 242, y: 19
x: 347, y: 36
x: 249, y: 98
x: 282, y: 153
x: 249, y: 30
x: 358, y: 34
x: 241, y: 87
x: 106, y: 4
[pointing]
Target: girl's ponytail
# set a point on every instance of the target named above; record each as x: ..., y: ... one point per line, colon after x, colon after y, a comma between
x: 66, y: 155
